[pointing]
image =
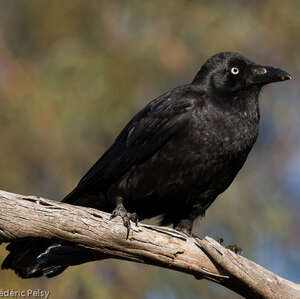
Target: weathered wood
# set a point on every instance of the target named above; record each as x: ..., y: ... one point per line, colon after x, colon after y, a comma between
x: 31, y: 216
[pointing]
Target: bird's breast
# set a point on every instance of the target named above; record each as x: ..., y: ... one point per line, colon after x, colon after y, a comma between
x: 206, y: 154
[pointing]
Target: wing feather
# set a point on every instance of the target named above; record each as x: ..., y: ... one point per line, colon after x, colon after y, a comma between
x: 150, y: 129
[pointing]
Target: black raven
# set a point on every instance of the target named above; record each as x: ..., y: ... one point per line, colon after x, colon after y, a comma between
x: 172, y: 159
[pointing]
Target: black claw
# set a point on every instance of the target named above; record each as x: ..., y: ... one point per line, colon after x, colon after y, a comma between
x: 220, y: 241
x: 126, y: 222
x: 113, y: 215
x: 133, y: 217
x: 236, y: 249
x: 126, y: 217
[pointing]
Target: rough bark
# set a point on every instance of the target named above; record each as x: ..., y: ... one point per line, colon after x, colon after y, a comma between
x: 36, y: 217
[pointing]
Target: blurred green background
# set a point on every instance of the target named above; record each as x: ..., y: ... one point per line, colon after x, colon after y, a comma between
x: 72, y: 73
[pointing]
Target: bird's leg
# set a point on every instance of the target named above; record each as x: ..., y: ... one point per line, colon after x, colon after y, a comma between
x: 126, y: 217
x: 185, y: 226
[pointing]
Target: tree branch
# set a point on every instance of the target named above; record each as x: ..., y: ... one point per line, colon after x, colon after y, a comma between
x: 90, y: 229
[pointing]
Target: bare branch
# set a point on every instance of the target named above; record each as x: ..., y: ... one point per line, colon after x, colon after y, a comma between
x: 90, y: 229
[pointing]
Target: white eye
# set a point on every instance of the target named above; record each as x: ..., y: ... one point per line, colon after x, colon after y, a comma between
x: 234, y: 70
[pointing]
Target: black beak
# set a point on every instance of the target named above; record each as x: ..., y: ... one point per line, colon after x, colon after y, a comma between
x: 267, y: 74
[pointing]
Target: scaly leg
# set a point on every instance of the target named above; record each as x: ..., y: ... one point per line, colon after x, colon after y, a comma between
x: 126, y: 217
x: 185, y: 226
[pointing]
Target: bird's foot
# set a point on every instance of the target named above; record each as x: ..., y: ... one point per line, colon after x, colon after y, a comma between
x: 126, y: 217
x: 236, y: 249
x: 185, y: 226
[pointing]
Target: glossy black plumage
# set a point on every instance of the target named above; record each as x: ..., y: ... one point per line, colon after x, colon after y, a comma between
x: 174, y: 157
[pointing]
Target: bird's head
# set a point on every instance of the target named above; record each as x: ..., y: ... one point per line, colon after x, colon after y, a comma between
x: 229, y: 73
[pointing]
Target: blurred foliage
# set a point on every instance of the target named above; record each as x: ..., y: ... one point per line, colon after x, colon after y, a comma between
x: 72, y: 73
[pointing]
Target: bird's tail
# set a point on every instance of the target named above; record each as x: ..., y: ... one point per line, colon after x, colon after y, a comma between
x: 43, y: 257
x: 34, y: 258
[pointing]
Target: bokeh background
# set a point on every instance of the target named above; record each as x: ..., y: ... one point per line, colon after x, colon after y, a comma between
x: 72, y: 73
